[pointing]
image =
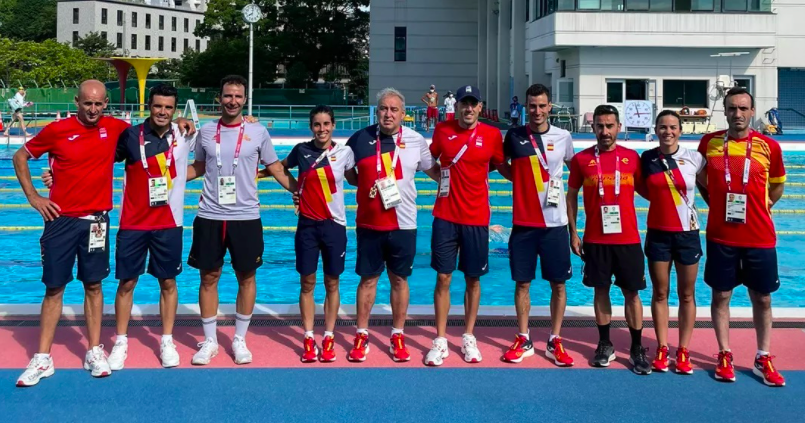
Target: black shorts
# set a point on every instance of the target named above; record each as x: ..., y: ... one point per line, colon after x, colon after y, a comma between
x: 550, y: 245
x: 469, y: 243
x: 378, y: 249
x: 728, y: 267
x: 625, y: 262
x: 164, y: 246
x: 211, y: 239
x: 66, y: 238
x: 682, y: 247
x: 325, y: 237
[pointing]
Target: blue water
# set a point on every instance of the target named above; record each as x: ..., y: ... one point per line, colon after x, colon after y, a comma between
x: 277, y: 280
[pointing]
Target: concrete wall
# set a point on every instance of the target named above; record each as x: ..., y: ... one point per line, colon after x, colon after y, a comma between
x: 790, y: 34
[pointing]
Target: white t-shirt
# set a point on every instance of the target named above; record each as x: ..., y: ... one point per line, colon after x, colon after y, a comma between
x: 449, y: 105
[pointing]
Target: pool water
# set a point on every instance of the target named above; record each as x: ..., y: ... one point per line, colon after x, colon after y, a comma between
x: 278, y: 282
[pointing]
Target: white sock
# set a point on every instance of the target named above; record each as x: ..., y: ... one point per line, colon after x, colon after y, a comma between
x: 364, y: 331
x: 210, y: 325
x: 550, y: 338
x: 395, y: 331
x: 166, y: 338
x: 761, y: 353
x: 308, y: 334
x: 242, y: 324
x: 328, y: 333
x: 122, y: 338
x: 526, y: 335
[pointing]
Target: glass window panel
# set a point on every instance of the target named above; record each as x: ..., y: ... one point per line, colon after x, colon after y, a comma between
x: 678, y: 93
x: 702, y: 5
x: 566, y: 5
x: 614, y: 92
x: 589, y: 4
x: 637, y: 4
x: 735, y: 5
x: 661, y: 5
x: 612, y: 5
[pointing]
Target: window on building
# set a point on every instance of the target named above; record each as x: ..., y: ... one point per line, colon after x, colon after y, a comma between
x: 119, y: 41
x: 734, y: 5
x: 636, y: 89
x: 614, y: 91
x: 612, y: 5
x: 186, y: 25
x: 75, y: 15
x: 662, y: 5
x: 119, y: 18
x: 173, y: 23
x: 186, y: 44
x: 198, y: 22
x: 134, y: 19
x: 528, y: 10
x: 565, y: 94
x: 563, y: 5
x: 75, y: 38
x: 134, y: 41
x: 161, y: 22
x: 680, y: 92
x: 148, y: 42
x: 637, y: 4
x: 198, y: 45
x: 104, y: 35
x: 147, y: 21
x: 161, y: 42
x: 589, y: 4
x: 173, y: 44
x: 702, y: 5
x: 104, y: 16
x: 400, y: 43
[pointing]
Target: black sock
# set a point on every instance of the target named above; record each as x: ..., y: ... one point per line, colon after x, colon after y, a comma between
x: 603, y: 332
x: 637, y: 336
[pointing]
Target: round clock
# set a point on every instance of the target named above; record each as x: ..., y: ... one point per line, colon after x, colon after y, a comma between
x: 252, y: 13
x: 638, y: 114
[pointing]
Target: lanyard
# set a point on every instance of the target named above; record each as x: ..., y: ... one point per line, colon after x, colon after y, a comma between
x: 168, y: 155
x: 670, y: 174
x: 747, y: 162
x: 313, y: 166
x: 396, y: 157
x: 464, y: 148
x: 237, y: 147
x: 601, y: 175
x: 543, y: 159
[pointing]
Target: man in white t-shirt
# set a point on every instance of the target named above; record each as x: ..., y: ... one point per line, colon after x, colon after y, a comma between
x: 16, y: 104
x: 449, y: 107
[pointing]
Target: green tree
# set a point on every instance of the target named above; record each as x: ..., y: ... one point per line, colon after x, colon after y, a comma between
x: 168, y: 69
x: 28, y: 20
x: 95, y: 45
x: 222, y: 58
x: 48, y: 61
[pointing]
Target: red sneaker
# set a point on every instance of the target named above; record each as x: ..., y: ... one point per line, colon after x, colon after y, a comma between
x: 683, y: 365
x: 397, y: 348
x: 724, y: 369
x: 311, y: 351
x: 360, y: 348
x: 520, y: 349
x: 660, y: 362
x: 327, y: 350
x: 557, y: 352
x: 766, y: 370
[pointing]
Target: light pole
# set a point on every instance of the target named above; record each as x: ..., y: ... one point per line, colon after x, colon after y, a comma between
x: 251, y: 14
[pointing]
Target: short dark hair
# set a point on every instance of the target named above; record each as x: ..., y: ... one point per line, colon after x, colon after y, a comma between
x: 536, y: 90
x: 322, y: 109
x: 606, y: 109
x: 163, y: 90
x: 665, y: 113
x: 738, y: 91
x: 234, y: 80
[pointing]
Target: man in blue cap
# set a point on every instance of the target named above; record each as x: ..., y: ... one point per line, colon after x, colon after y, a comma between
x: 466, y: 150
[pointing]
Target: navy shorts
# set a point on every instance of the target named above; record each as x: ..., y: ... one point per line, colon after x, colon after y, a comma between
x: 682, y: 247
x: 550, y: 245
x: 62, y: 241
x: 325, y: 237
x: 728, y: 267
x: 469, y: 243
x: 164, y: 246
x: 625, y: 262
x: 378, y: 249
x: 211, y: 239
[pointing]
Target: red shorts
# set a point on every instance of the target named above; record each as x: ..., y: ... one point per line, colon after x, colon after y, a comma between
x: 449, y: 116
x: 433, y: 113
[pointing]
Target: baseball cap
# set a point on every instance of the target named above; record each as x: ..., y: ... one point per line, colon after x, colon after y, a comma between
x: 468, y: 91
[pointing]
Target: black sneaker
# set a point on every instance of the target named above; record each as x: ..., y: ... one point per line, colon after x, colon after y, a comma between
x: 639, y: 361
x: 604, y: 354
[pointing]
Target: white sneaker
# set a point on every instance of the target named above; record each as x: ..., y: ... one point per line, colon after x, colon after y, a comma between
x: 438, y: 352
x: 117, y: 359
x: 470, y: 349
x: 39, y: 367
x: 242, y: 354
x: 95, y: 361
x: 208, y: 350
x: 168, y: 353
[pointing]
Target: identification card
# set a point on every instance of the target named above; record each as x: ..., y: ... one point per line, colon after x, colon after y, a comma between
x: 736, y: 208
x: 158, y: 191
x: 554, y: 192
x: 611, y: 218
x: 444, y: 183
x: 389, y: 192
x: 97, y: 236
x: 226, y: 190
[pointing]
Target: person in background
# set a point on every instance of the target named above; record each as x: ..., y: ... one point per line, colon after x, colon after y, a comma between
x: 514, y: 112
x: 17, y: 103
x: 449, y: 106
x: 431, y: 100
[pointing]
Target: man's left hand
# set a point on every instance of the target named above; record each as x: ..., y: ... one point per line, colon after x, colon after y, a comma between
x: 186, y: 126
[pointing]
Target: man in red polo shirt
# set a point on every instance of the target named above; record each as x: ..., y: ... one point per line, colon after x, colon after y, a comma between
x: 741, y: 241
x: 610, y: 175
x: 466, y: 150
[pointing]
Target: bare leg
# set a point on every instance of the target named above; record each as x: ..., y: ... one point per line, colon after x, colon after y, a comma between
x: 633, y: 309
x: 660, y: 272
x: 558, y: 306
x: 306, y: 304
x: 332, y: 302
x: 49, y: 318
x: 208, y: 293
x: 168, y: 303
x: 686, y: 287
x: 602, y: 305
x: 400, y: 298
x: 247, y: 292
x: 93, y: 312
x: 472, y: 300
x: 367, y: 290
x: 522, y: 305
x: 720, y: 309
x: 761, y: 315
x: 441, y: 302
x: 123, y: 303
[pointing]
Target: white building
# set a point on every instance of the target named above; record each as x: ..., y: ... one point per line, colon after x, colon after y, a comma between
x: 592, y: 52
x: 138, y: 28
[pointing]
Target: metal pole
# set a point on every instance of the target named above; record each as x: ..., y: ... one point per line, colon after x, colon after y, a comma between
x: 251, y: 64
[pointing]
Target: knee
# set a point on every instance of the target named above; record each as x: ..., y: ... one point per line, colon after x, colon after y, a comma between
x: 93, y: 290
x: 369, y: 283
x: 443, y: 281
x: 331, y: 284
x: 126, y: 287
x: 631, y: 296
x: 167, y: 286
x: 661, y: 295
x: 686, y: 297
x: 762, y: 301
x: 558, y: 288
x: 721, y: 297
x: 523, y: 288
x: 308, y: 285
x: 54, y: 293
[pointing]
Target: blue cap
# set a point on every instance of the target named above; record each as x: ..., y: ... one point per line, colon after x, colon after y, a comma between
x: 468, y: 91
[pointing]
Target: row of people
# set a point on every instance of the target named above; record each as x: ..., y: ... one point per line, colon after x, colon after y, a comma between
x: 381, y: 160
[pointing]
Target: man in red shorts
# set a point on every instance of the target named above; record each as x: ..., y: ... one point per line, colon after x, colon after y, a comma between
x: 431, y: 99
x: 741, y: 241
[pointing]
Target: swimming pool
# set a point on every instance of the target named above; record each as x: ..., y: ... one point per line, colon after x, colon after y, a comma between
x: 277, y: 280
